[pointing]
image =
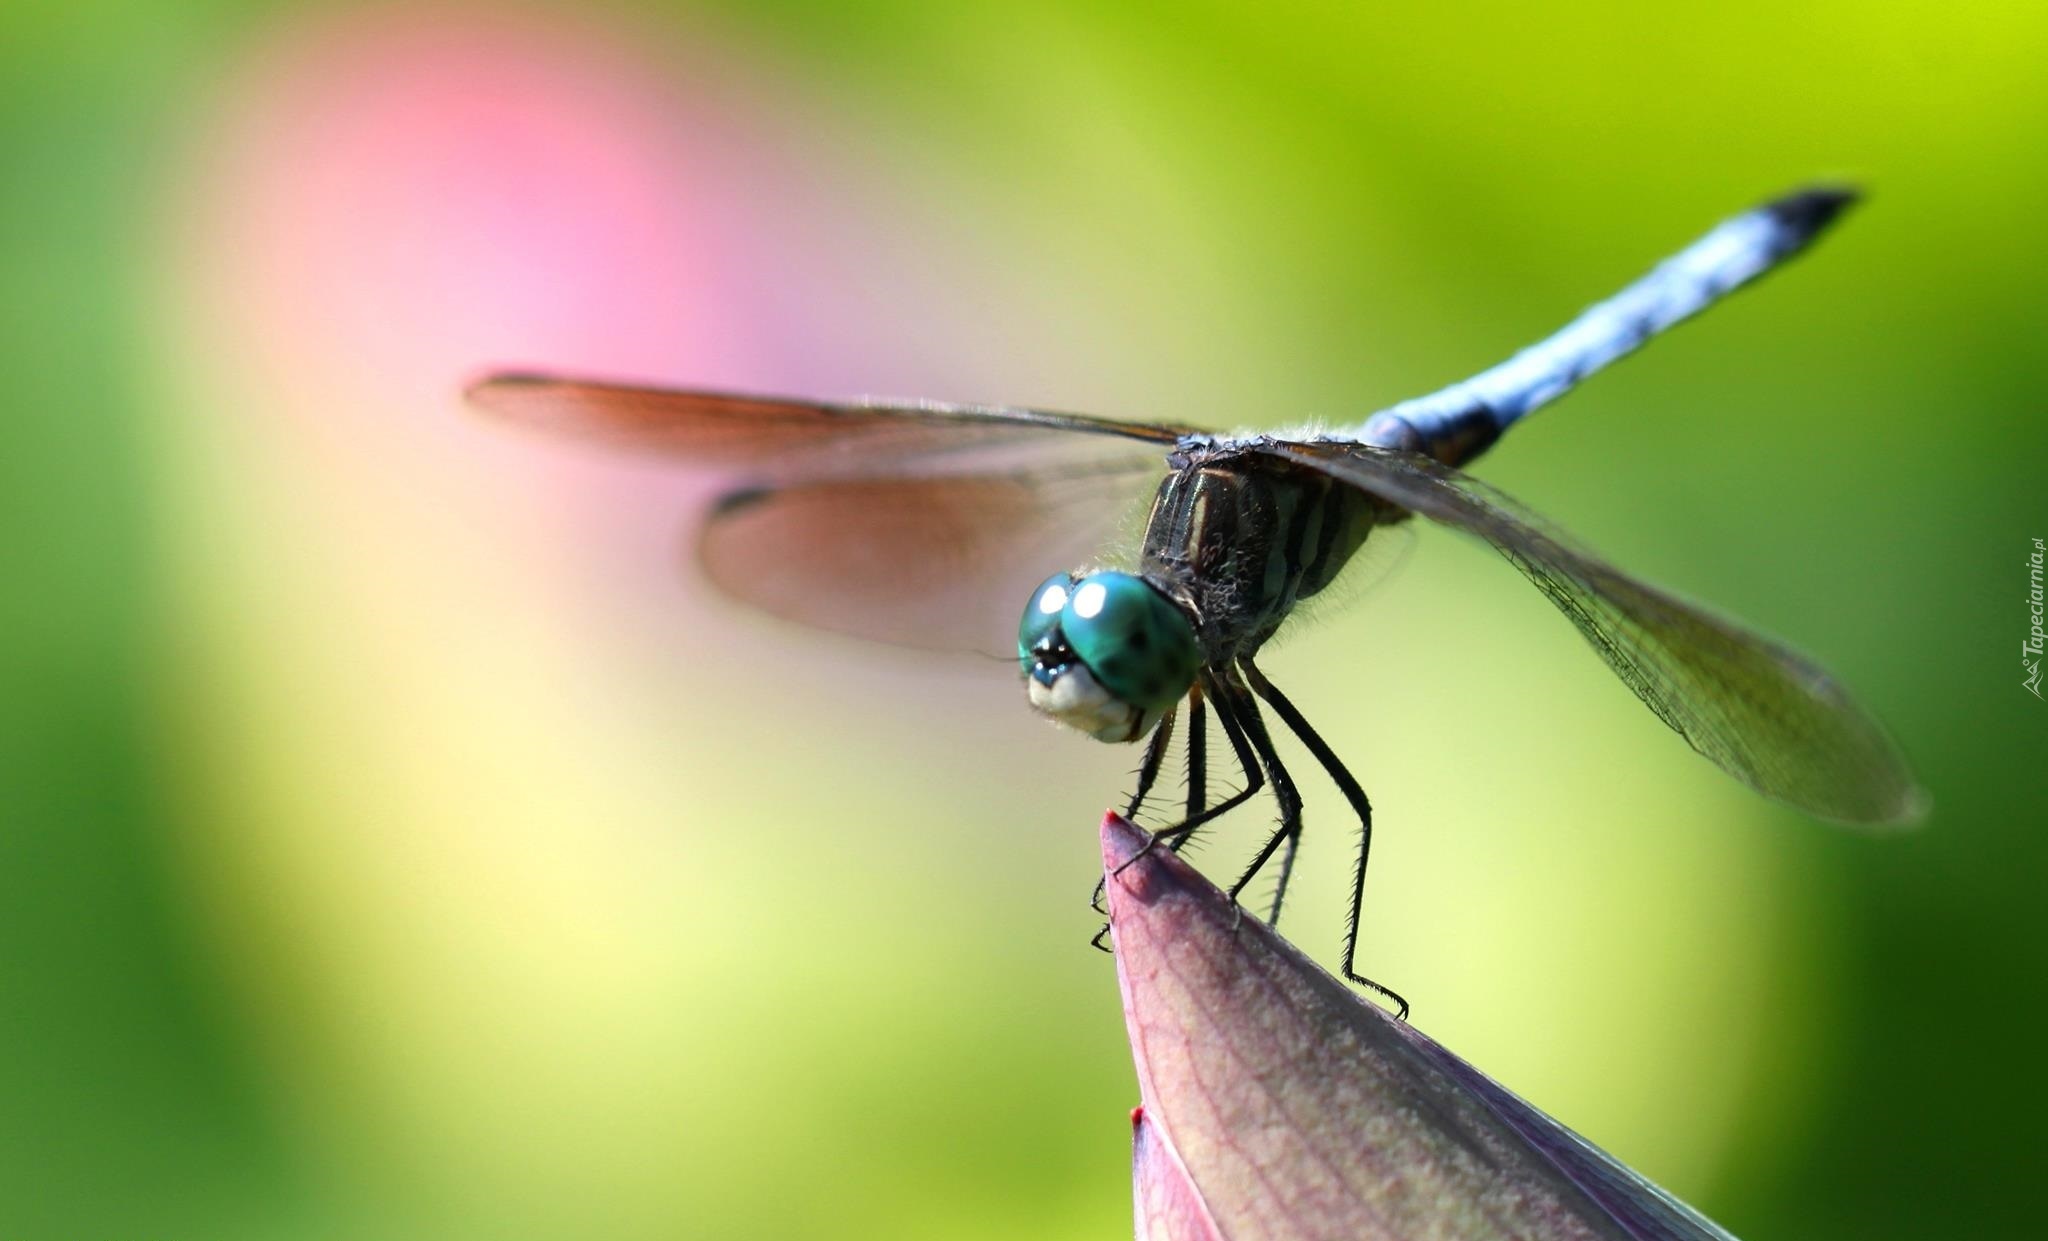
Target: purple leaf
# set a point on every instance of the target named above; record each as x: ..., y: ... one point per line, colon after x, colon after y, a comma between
x: 1278, y: 1103
x: 1167, y: 1202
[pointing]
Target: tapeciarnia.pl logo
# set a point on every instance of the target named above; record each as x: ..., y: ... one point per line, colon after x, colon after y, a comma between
x: 2030, y: 650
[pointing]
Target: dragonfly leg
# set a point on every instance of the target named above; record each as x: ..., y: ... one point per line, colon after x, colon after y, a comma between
x: 1354, y: 794
x: 1148, y: 772
x: 1254, y: 779
x: 1240, y: 703
x: 1198, y: 814
x: 1288, y: 847
x: 1246, y: 758
x: 1198, y: 762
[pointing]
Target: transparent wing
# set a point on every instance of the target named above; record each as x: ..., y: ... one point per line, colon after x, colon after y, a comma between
x: 1765, y: 714
x: 942, y: 562
x: 775, y: 438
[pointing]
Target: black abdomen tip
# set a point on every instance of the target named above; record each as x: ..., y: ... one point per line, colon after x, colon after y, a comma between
x: 1808, y: 211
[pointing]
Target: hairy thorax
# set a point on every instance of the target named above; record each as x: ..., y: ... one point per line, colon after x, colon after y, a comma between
x: 1239, y: 538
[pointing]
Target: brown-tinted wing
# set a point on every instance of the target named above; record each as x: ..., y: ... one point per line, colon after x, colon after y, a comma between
x: 1765, y: 714
x: 939, y: 562
x: 772, y: 438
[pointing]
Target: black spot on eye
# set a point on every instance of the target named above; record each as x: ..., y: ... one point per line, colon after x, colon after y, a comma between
x: 1140, y: 639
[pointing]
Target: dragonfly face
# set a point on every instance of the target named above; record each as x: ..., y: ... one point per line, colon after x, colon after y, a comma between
x: 1107, y: 653
x: 901, y: 520
x: 1232, y: 543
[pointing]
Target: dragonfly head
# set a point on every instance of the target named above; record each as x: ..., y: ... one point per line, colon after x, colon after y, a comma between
x: 1106, y: 653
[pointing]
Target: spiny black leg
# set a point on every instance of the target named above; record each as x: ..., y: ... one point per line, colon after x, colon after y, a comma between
x: 1148, y: 770
x: 1254, y: 775
x: 1198, y: 761
x: 1198, y: 767
x: 1356, y: 796
x: 1240, y: 704
x: 1288, y: 848
x: 1288, y: 851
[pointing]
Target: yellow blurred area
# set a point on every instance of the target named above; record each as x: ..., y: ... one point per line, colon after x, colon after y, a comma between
x: 429, y: 852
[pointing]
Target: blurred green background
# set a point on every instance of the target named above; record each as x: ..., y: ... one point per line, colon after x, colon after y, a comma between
x: 395, y: 844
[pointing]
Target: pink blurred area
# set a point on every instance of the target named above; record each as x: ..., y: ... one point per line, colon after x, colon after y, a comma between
x: 387, y: 202
x: 391, y: 200
x: 405, y: 684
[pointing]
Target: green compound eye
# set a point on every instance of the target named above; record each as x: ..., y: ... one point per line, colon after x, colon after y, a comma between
x: 1041, y: 614
x: 1138, y: 644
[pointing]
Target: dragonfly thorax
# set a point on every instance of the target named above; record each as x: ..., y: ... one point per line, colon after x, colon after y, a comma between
x: 1241, y: 538
x: 1106, y: 653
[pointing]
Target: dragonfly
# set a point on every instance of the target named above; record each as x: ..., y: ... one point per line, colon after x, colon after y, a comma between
x: 921, y: 522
